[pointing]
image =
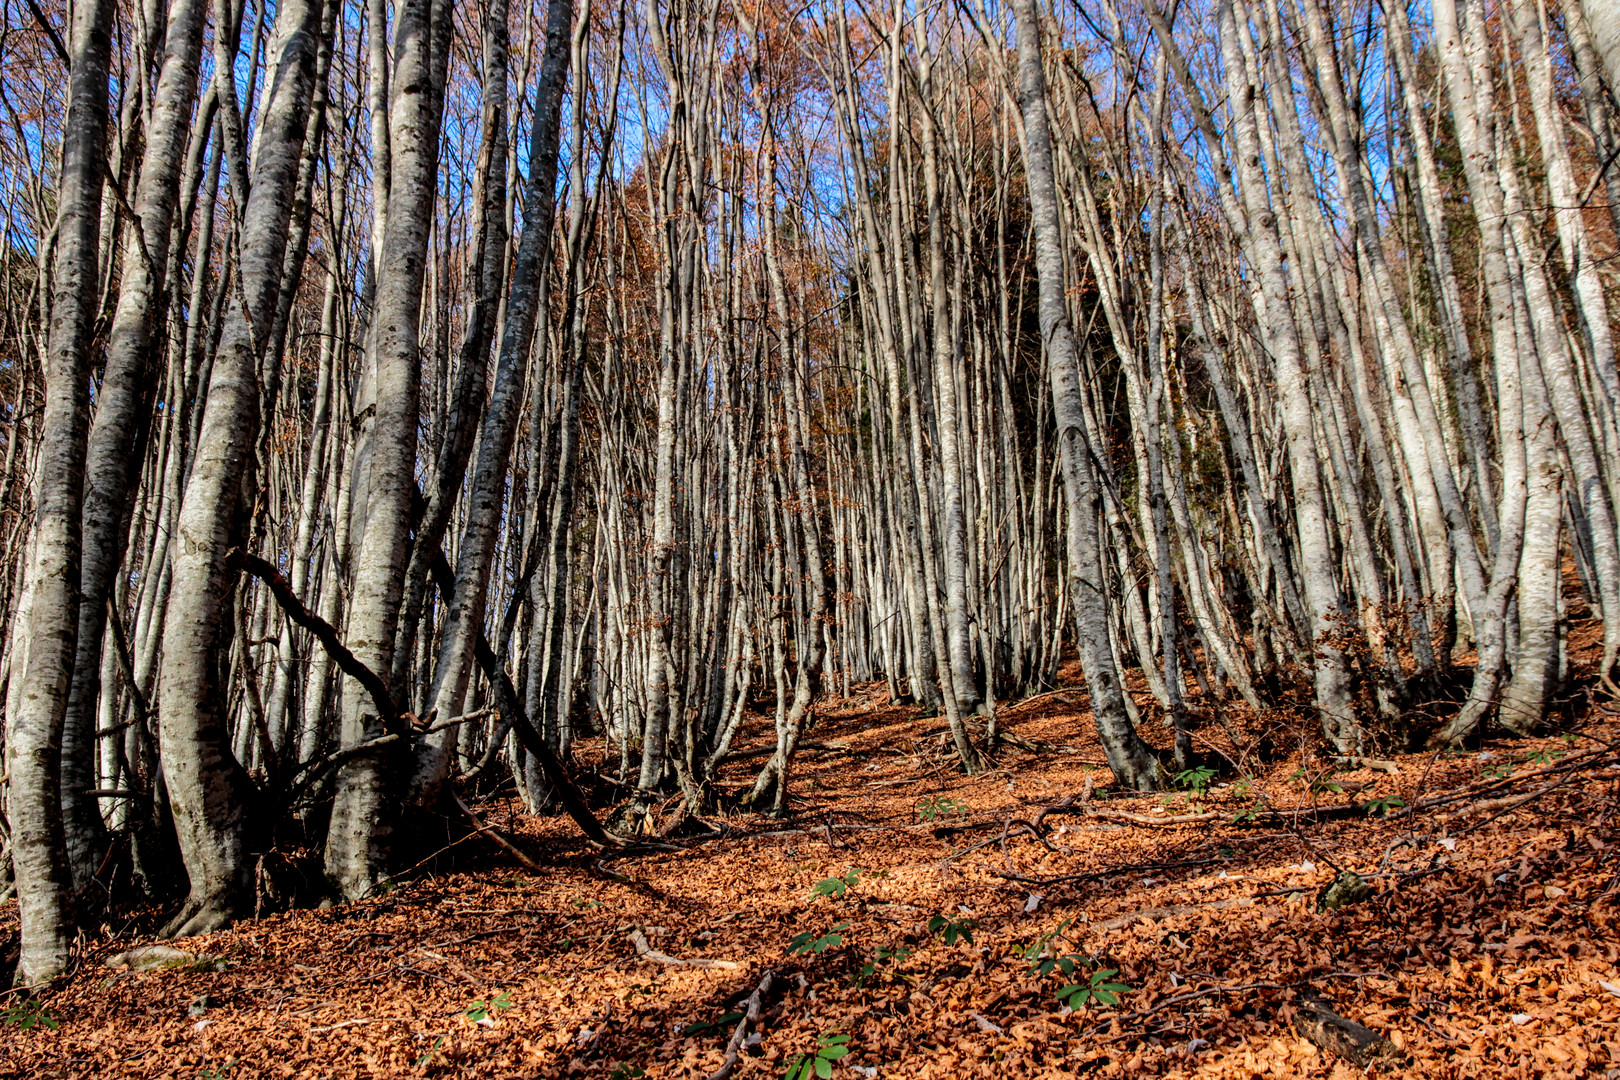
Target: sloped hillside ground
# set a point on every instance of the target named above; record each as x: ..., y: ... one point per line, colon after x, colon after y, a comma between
x: 902, y: 915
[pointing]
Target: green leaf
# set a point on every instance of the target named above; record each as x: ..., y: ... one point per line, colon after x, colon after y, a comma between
x: 709, y: 1025
x: 833, y: 1053
x: 824, y: 1068
x: 829, y: 887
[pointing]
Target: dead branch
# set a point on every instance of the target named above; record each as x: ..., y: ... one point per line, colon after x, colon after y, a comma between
x: 1337, y: 1035
x: 645, y: 951
x: 489, y: 832
x: 750, y: 1020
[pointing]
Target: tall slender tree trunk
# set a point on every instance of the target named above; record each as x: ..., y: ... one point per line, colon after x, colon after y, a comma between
x: 34, y: 741
x: 1128, y: 755
x: 464, y: 615
x: 210, y: 793
x: 123, y: 409
x: 359, y: 838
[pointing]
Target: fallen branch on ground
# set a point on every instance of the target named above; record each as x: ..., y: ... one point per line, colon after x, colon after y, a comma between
x: 1337, y: 1035
x: 645, y: 951
x: 739, y: 1036
x: 489, y: 833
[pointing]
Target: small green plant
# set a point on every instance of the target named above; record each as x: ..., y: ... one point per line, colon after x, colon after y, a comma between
x: 29, y: 1015
x: 625, y: 1071
x: 1545, y: 757
x: 481, y: 1011
x: 1244, y: 789
x: 218, y: 1072
x: 422, y: 1061
x: 1196, y: 780
x: 709, y: 1025
x: 808, y: 944
x: 938, y: 806
x: 1382, y: 807
x: 835, y: 887
x: 817, y: 1062
x: 1319, y: 783
x: 1034, y: 949
x: 1044, y: 966
x: 952, y: 930
x: 1500, y: 772
x: 583, y: 904
x: 1098, y: 990
x: 882, y: 956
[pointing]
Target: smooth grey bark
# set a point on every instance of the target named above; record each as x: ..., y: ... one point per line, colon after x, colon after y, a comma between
x: 360, y: 834
x: 1155, y: 399
x: 1433, y: 221
x: 680, y: 207
x: 34, y: 736
x: 1281, y: 336
x: 1603, y: 18
x: 549, y: 686
x: 1459, y: 41
x: 943, y: 348
x: 486, y: 280
x: 1587, y: 293
x: 123, y: 412
x: 464, y: 614
x: 1426, y: 454
x: 209, y: 792
x: 1128, y: 756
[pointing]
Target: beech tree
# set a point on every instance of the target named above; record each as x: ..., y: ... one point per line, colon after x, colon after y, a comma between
x: 399, y: 399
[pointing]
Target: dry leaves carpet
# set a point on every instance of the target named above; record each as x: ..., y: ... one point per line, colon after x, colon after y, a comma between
x: 1487, y: 947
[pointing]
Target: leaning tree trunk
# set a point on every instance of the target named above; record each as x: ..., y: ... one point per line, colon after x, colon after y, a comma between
x: 34, y: 741
x: 1129, y: 757
x: 208, y: 789
x: 464, y: 616
x: 123, y: 408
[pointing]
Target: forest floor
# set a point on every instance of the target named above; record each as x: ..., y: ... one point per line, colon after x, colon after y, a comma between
x: 1489, y: 946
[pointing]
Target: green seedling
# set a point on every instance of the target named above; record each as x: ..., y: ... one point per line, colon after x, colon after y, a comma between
x: 809, y: 944
x: 835, y: 887
x: 1097, y: 990
x: 952, y: 930
x: 817, y: 1062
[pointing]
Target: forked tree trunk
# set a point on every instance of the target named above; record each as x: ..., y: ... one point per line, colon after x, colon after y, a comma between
x: 211, y: 795
x: 360, y: 836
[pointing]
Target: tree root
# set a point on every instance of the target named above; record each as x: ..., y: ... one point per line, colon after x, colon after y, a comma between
x: 198, y: 917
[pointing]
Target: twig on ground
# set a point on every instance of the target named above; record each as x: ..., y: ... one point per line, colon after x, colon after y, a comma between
x: 740, y: 1036
x: 489, y: 833
x: 645, y: 951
